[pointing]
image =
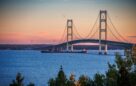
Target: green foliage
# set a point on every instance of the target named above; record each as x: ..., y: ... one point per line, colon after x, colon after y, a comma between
x: 133, y: 78
x: 51, y: 82
x: 71, y: 83
x: 84, y: 81
x: 124, y: 77
x: 111, y: 75
x: 122, y: 73
x: 123, y: 62
x: 124, y: 68
x: 61, y: 79
x: 18, y: 81
x: 119, y: 61
x: 99, y: 79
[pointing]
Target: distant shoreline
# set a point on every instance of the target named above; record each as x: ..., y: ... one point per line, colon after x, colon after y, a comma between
x: 43, y: 46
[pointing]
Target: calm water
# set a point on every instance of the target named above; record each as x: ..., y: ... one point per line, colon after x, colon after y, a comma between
x: 39, y: 67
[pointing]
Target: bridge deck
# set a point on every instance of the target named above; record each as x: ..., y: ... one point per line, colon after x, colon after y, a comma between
x: 109, y: 42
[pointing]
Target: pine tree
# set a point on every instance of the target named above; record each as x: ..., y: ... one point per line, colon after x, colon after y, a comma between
x: 112, y: 75
x: 61, y: 79
x: 51, y: 82
x: 99, y: 79
x: 18, y: 81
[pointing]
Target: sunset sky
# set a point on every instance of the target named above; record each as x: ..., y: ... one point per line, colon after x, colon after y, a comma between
x: 44, y: 21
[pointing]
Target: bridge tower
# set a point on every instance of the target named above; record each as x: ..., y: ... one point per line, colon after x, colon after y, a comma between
x: 69, y: 34
x: 103, y: 31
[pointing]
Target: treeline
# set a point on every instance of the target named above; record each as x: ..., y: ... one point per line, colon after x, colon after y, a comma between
x: 19, y: 81
x: 122, y: 73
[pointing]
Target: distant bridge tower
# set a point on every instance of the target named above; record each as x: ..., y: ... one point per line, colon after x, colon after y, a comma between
x: 103, y: 29
x: 69, y: 34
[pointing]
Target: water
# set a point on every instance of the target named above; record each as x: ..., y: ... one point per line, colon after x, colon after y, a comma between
x: 39, y: 67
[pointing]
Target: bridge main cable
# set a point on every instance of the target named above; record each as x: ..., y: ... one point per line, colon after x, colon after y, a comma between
x: 75, y: 29
x: 116, y: 30
x: 113, y: 33
x: 62, y: 39
x: 90, y: 32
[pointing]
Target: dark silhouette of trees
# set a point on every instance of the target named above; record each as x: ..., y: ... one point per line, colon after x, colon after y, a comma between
x: 112, y: 75
x: 124, y: 67
x: 18, y: 81
x: 124, y: 77
x: 99, y: 79
x: 132, y: 78
x: 51, y: 82
x: 61, y: 79
x: 122, y: 73
x: 85, y: 81
x: 71, y: 81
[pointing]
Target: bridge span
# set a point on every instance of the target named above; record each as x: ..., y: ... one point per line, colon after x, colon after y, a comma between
x: 102, y: 39
x: 109, y: 42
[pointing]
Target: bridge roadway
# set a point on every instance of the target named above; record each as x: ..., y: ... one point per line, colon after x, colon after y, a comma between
x: 112, y: 43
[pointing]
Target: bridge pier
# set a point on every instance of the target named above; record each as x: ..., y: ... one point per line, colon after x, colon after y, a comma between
x: 103, y: 29
x: 69, y: 34
x: 106, y: 49
x: 100, y: 49
x: 72, y: 48
x: 67, y: 47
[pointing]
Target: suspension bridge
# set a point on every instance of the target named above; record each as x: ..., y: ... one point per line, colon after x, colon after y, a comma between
x: 105, y: 27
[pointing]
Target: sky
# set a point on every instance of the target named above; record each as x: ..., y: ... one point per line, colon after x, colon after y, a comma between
x: 44, y: 21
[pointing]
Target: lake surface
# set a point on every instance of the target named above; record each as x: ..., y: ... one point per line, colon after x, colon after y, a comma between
x: 39, y: 67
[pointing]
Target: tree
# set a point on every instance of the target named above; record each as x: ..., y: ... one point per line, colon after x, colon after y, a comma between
x: 18, y: 81
x: 99, y: 79
x: 132, y: 78
x: 124, y: 66
x: 122, y: 73
x: 126, y: 62
x: 71, y: 81
x: 112, y: 75
x: 85, y: 81
x: 51, y: 82
x: 61, y: 79
x: 124, y: 77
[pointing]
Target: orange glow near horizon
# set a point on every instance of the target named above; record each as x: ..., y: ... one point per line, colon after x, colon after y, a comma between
x: 45, y: 22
